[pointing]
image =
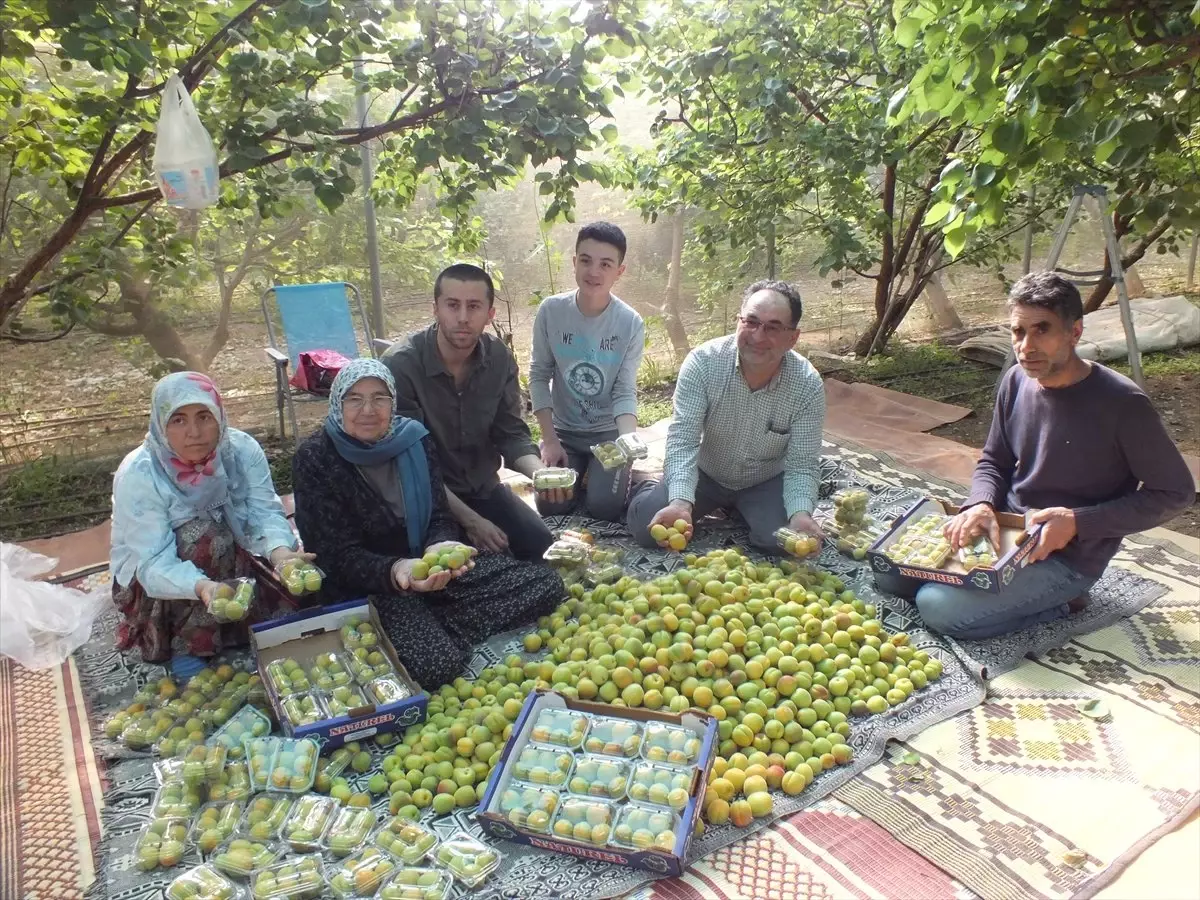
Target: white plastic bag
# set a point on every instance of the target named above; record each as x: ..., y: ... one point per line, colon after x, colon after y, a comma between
x: 185, y: 160
x: 41, y: 624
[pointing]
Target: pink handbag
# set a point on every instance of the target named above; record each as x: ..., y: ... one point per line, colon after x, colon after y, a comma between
x: 316, y: 369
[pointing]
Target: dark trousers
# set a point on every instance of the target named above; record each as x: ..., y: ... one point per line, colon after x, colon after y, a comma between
x: 528, y: 536
x: 433, y: 632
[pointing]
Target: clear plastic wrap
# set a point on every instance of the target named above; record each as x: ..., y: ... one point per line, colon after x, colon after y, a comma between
x: 559, y: 726
x: 978, y: 554
x: 566, y: 552
x: 294, y: 878
x: 921, y: 543
x: 241, y: 857
x: 797, y: 543
x: 661, y: 785
x: 606, y: 777
x: 543, y: 765
x: 265, y: 815
x: 233, y: 783
x: 670, y: 744
x: 246, y: 722
x: 161, y: 843
x: 613, y: 737
x: 585, y: 820
x: 409, y: 842
x: 646, y: 828
x: 300, y: 578
x: 348, y: 831
x: 214, y: 823
x: 287, y: 677
x: 203, y: 883
x: 42, y: 624
x: 529, y: 807
x: 469, y: 860
x: 232, y: 600
x: 360, y: 876
x: 310, y: 816
x: 304, y: 709
x: 343, y: 699
x: 330, y: 670
x: 554, y: 477
x: 388, y: 689
x: 417, y: 883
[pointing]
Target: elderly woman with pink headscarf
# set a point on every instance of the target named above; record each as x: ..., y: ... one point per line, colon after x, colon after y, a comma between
x: 189, y: 505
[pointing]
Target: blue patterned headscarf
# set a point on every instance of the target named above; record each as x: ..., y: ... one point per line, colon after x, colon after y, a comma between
x: 401, y: 443
x: 203, y: 485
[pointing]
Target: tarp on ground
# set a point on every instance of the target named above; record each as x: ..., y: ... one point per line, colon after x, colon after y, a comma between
x: 1160, y: 323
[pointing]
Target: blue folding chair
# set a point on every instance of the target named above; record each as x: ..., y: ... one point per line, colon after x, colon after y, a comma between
x: 312, y: 317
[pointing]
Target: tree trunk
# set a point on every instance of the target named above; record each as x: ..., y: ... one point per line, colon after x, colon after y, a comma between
x: 676, y: 330
x: 944, y: 313
x: 159, y: 332
x: 138, y: 301
x: 15, y: 290
x: 883, y: 284
x: 880, y: 331
x: 1136, y: 252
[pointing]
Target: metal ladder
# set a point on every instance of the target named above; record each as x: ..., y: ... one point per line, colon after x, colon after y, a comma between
x: 1096, y: 196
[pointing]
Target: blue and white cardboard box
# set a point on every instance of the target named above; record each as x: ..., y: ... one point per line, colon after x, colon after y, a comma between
x: 1016, y: 543
x: 309, y: 632
x: 657, y: 861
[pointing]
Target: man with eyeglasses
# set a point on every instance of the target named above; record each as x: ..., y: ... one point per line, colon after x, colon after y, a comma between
x: 747, y: 429
x: 463, y: 384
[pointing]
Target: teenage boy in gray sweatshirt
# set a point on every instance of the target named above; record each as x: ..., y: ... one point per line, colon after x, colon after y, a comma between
x: 587, y: 347
x: 1075, y: 446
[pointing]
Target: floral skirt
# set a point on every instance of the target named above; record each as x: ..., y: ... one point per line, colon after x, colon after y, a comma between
x: 161, y: 628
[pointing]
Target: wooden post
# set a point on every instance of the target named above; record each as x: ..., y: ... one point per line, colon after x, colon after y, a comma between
x: 1191, y: 282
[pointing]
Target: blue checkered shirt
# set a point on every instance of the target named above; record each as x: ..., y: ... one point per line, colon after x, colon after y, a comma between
x: 739, y: 437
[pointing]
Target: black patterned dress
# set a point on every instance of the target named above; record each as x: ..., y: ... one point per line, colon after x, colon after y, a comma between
x: 344, y: 520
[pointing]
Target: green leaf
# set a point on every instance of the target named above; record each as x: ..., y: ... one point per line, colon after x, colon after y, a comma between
x: 1072, y: 127
x: 907, y: 31
x: 331, y: 198
x: 937, y: 213
x: 955, y: 240
x: 983, y: 175
x: 609, y: 133
x: 1108, y: 129
x: 1139, y: 133
x: 896, y: 102
x: 953, y: 173
x: 1009, y: 137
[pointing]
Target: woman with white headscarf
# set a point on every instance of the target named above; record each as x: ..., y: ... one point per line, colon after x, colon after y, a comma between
x: 189, y: 504
x: 370, y: 503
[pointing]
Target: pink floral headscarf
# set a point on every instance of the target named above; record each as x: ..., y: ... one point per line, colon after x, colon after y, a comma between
x: 204, y: 485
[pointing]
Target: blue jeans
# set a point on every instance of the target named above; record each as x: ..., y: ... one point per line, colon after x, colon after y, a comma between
x: 1038, y: 593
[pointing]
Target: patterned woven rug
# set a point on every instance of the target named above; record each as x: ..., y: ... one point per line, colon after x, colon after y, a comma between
x: 1027, y: 795
x: 50, y: 788
x: 846, y: 868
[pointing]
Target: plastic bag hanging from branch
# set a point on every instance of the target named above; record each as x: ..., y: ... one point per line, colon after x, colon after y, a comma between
x: 185, y: 160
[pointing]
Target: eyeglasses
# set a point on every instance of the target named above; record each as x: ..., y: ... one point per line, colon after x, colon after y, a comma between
x: 770, y: 329
x: 356, y: 403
